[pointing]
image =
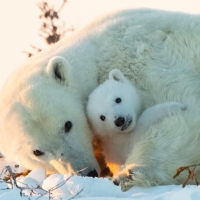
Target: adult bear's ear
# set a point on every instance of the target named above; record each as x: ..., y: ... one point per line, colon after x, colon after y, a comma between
x: 57, y: 68
x: 116, y: 75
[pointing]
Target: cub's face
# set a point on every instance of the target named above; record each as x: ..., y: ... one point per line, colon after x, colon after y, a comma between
x: 44, y: 125
x: 113, y: 106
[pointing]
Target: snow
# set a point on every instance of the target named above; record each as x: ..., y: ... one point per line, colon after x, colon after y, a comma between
x: 89, y: 188
x: 65, y: 187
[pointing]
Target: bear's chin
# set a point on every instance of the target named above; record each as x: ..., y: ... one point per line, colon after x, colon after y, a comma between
x: 126, y: 125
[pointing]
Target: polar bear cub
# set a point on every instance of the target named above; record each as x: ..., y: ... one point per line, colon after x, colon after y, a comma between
x: 113, y: 107
x: 113, y: 111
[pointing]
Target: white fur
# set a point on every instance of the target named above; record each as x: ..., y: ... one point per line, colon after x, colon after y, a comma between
x: 102, y: 102
x: 117, y: 143
x: 157, y: 50
x: 35, y: 120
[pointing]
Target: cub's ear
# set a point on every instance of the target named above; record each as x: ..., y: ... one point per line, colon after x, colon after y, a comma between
x: 57, y: 68
x: 116, y: 75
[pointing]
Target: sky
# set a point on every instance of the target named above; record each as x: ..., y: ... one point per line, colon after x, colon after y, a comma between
x: 20, y: 23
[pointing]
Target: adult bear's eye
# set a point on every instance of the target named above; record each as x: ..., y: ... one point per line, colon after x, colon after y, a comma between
x: 118, y: 100
x: 68, y: 126
x: 102, y: 117
x: 38, y: 153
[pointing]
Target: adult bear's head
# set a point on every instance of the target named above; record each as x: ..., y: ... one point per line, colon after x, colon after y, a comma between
x: 43, y: 122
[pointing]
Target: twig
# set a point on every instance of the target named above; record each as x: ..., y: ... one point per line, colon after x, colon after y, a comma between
x: 8, y: 168
x: 6, y: 178
x: 76, y: 194
x: 191, y: 173
x: 55, y: 187
x: 61, y: 7
x: 14, y: 182
x: 60, y: 184
x: 49, y: 28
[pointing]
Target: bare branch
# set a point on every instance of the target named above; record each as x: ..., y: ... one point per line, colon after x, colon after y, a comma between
x: 76, y: 194
x: 191, y: 173
x: 60, y: 184
x: 50, y: 32
x: 63, y: 4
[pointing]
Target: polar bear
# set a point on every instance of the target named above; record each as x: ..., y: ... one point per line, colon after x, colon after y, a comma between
x: 113, y: 110
x: 158, y: 51
x: 113, y: 106
x: 40, y: 130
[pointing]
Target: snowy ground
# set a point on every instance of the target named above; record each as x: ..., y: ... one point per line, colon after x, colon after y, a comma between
x: 65, y: 187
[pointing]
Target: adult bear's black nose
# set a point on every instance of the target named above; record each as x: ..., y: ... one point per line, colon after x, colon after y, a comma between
x: 119, y: 121
x: 92, y: 174
x: 116, y: 182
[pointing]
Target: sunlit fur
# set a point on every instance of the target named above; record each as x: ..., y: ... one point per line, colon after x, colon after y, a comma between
x: 157, y: 51
x: 102, y: 101
x: 35, y: 117
x: 117, y: 143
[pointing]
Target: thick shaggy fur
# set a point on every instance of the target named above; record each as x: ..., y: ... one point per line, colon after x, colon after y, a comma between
x: 118, y: 139
x: 158, y: 51
x: 103, y: 102
x: 34, y: 121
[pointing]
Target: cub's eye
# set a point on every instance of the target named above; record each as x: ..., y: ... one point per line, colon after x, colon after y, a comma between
x: 68, y: 126
x: 38, y: 153
x: 118, y: 100
x: 102, y: 117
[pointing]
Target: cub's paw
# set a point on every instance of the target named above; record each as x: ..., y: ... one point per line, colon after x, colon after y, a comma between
x: 176, y: 107
x: 133, y: 175
x: 124, y: 179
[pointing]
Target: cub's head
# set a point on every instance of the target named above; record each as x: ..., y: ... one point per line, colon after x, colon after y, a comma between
x: 113, y: 106
x: 43, y: 122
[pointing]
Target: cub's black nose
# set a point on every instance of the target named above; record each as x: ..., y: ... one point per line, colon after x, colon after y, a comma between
x: 93, y: 174
x: 119, y: 121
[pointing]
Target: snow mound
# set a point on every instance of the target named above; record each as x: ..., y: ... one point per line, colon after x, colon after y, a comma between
x: 66, y: 187
x: 85, y: 187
